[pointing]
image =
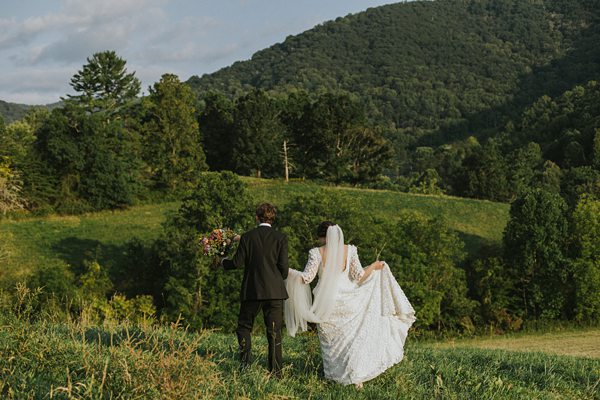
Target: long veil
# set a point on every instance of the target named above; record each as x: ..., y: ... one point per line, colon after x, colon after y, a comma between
x: 299, y: 307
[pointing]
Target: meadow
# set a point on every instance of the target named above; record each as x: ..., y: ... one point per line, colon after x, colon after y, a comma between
x: 76, y: 360
x: 58, y: 355
x: 32, y: 241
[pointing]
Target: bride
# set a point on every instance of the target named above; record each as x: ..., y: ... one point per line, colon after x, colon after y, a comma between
x: 363, y: 315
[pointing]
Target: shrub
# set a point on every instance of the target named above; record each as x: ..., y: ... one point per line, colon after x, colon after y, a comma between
x: 192, y: 290
x: 424, y: 255
x: 422, y: 252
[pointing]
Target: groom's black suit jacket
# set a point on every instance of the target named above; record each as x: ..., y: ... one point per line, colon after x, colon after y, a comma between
x: 264, y: 253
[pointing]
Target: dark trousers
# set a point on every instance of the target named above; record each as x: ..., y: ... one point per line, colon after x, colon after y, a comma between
x: 273, y: 315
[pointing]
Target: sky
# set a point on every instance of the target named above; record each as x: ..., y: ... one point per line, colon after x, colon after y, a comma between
x: 43, y: 43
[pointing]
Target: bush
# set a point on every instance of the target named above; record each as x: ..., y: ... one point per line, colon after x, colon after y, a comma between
x: 422, y: 252
x: 303, y: 213
x: 424, y: 255
x: 57, y: 281
x: 494, y: 289
x: 192, y: 290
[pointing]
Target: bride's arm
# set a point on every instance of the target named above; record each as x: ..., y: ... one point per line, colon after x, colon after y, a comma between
x: 357, y: 272
x: 372, y: 267
x: 312, y: 266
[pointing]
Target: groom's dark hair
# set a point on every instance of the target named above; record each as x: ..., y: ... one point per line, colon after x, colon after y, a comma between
x: 266, y: 213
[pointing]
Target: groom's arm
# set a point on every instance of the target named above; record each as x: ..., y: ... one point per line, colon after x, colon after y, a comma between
x: 239, y: 258
x: 282, y: 259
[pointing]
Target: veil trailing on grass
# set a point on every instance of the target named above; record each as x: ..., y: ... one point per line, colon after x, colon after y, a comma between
x: 300, y: 307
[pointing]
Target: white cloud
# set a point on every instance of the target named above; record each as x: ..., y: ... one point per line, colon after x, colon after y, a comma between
x: 35, y: 86
x: 43, y: 43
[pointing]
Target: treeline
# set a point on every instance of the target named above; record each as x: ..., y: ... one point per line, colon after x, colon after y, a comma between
x: 451, y: 85
x: 106, y: 148
x: 12, y: 112
x: 468, y: 98
x: 109, y: 150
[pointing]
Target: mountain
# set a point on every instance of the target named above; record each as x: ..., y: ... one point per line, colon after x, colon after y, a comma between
x: 13, y: 111
x: 436, y: 71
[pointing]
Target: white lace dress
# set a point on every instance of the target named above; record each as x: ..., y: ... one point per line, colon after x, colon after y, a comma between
x: 366, y: 331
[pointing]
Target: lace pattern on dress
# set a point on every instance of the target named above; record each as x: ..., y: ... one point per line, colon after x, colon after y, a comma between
x: 312, y: 266
x: 314, y: 261
x: 356, y: 269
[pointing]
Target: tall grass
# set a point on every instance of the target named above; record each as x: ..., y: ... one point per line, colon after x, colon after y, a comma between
x: 73, y: 360
x: 45, y: 357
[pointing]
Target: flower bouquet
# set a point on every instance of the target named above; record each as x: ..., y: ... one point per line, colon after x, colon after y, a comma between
x: 218, y: 244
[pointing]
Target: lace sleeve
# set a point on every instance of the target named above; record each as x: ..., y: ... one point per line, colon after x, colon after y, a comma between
x: 312, y: 266
x: 356, y: 269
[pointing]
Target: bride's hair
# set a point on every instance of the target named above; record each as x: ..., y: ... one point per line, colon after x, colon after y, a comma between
x: 322, y: 228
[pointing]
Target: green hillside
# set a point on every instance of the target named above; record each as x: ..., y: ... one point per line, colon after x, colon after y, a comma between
x: 437, y: 70
x: 103, y: 235
x: 11, y: 112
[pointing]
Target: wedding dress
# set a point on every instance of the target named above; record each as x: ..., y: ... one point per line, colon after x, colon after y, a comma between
x: 362, y: 328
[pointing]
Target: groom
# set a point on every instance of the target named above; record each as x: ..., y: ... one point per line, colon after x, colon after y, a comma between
x: 263, y: 252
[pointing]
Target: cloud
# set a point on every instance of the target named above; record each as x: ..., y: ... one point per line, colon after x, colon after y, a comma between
x: 76, y: 46
x: 99, y: 22
x: 35, y: 86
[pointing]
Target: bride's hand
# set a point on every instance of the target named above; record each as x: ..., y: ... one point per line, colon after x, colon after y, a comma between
x: 378, y: 265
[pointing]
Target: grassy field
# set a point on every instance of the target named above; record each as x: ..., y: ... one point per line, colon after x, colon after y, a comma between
x: 74, y: 360
x: 36, y: 240
x: 580, y: 343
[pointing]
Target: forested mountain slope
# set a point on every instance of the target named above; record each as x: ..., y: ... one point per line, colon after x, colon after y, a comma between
x: 436, y: 70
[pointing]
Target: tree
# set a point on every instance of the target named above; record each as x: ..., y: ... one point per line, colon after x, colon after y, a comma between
x: 332, y: 141
x: 96, y: 162
x: 551, y: 177
x: 534, y: 252
x: 10, y: 188
x: 258, y: 135
x: 586, y: 262
x: 111, y: 177
x: 218, y: 133
x: 485, y: 173
x: 16, y: 140
x: 596, y: 149
x: 322, y: 136
x: 427, y: 183
x: 524, y: 164
x: 578, y: 181
x: 172, y: 145
x: 103, y: 84
x: 424, y: 255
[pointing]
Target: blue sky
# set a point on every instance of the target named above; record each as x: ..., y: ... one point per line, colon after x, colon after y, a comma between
x: 44, y: 42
